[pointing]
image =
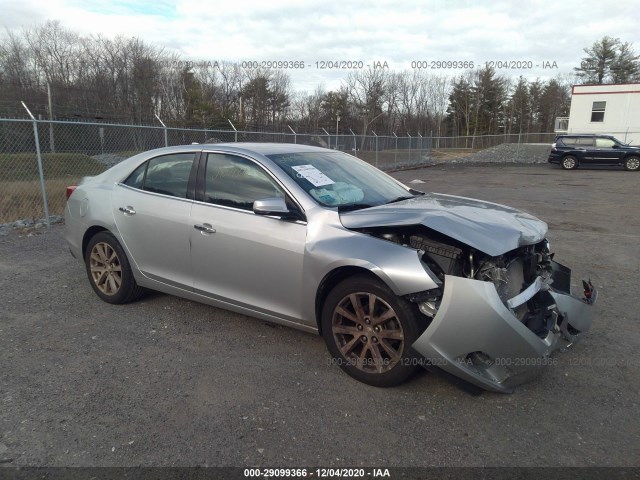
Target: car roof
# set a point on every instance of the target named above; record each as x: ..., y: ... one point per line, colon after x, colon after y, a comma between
x: 584, y: 135
x: 263, y: 148
x: 248, y: 148
x: 240, y: 147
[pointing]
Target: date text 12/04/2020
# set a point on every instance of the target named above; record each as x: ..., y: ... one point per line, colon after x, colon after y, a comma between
x: 495, y: 64
x: 337, y: 64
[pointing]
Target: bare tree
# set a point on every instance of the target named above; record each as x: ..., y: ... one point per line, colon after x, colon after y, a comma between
x: 367, y: 89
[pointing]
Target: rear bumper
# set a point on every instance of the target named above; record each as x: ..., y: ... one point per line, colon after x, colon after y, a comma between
x: 475, y: 337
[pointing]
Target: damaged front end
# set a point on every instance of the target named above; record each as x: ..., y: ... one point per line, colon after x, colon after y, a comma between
x: 494, y: 320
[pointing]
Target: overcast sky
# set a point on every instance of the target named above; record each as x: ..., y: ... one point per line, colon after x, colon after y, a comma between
x: 397, y: 32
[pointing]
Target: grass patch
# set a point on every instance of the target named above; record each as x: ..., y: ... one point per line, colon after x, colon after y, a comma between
x: 24, y: 166
x: 20, y: 196
x: 23, y: 200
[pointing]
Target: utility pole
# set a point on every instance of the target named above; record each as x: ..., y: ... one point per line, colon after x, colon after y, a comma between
x: 52, y: 145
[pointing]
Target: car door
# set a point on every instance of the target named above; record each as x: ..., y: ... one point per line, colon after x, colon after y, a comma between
x: 151, y: 211
x: 240, y: 257
x: 605, y: 152
x: 584, y: 149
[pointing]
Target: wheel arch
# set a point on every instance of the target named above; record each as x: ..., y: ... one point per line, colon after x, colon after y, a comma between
x: 89, y: 234
x: 331, y: 279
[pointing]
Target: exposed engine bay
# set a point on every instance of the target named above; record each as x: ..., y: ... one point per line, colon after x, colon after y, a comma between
x: 522, y: 277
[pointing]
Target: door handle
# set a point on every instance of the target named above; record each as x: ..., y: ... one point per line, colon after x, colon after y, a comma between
x: 205, y: 228
x: 128, y: 210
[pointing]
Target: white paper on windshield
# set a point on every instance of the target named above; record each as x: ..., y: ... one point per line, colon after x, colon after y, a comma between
x: 311, y: 173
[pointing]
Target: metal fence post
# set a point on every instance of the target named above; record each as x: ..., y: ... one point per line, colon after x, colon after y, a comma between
x: 234, y: 129
x: 40, y: 169
x: 328, y: 138
x: 410, y: 138
x: 395, y: 156
x: 166, y: 138
x: 295, y: 135
x: 355, y: 144
x: 376, y: 146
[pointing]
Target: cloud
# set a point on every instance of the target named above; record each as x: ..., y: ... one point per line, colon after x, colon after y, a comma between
x: 396, y: 31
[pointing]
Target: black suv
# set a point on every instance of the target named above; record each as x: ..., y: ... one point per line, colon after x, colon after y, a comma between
x: 570, y: 151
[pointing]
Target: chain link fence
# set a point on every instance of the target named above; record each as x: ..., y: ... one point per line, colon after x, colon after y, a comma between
x: 68, y: 151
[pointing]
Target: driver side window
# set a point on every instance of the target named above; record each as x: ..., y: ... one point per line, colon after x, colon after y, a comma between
x: 237, y: 182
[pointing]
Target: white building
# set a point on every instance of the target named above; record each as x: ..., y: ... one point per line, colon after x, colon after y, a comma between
x: 610, y: 109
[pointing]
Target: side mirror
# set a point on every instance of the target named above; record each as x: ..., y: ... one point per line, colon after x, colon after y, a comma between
x: 270, y: 206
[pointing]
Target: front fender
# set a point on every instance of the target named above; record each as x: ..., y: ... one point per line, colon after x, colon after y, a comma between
x: 399, y: 267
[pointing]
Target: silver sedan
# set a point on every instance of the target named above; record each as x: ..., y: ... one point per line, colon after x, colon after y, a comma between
x: 393, y: 278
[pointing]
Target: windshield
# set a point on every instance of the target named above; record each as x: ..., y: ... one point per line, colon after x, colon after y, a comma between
x: 335, y: 179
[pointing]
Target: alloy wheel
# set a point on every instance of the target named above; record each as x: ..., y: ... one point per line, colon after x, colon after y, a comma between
x: 569, y: 163
x: 368, y: 332
x: 633, y: 163
x: 106, y: 271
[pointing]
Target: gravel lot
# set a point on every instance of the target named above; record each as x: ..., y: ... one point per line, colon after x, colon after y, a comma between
x: 165, y: 381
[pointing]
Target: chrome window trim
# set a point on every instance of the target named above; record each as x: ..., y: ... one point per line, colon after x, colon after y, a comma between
x: 147, y: 192
x: 241, y: 210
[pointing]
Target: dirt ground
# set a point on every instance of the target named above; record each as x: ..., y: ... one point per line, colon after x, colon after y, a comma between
x: 168, y: 382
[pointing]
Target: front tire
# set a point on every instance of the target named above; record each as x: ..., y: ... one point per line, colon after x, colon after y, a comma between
x: 109, y: 270
x: 369, y: 331
x: 569, y: 162
x: 632, y: 164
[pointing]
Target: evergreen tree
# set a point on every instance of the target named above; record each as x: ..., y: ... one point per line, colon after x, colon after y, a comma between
x: 609, y: 61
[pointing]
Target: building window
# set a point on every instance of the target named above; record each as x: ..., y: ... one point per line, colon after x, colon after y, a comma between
x: 597, y: 112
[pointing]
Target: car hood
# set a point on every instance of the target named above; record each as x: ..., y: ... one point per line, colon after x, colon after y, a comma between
x: 489, y: 227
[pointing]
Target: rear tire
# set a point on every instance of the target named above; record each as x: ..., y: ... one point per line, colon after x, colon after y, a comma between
x: 109, y: 270
x: 569, y: 162
x: 369, y: 331
x: 632, y: 163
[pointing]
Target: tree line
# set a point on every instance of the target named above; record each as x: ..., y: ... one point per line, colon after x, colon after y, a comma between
x: 63, y: 75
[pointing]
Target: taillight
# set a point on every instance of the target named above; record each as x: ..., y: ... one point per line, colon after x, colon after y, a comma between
x: 70, y: 190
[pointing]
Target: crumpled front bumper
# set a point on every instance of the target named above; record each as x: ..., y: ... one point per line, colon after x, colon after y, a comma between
x: 475, y: 337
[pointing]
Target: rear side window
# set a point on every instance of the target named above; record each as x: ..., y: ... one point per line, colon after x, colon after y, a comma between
x: 585, y: 142
x: 137, y: 177
x: 167, y: 175
x: 568, y: 141
x: 576, y: 141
